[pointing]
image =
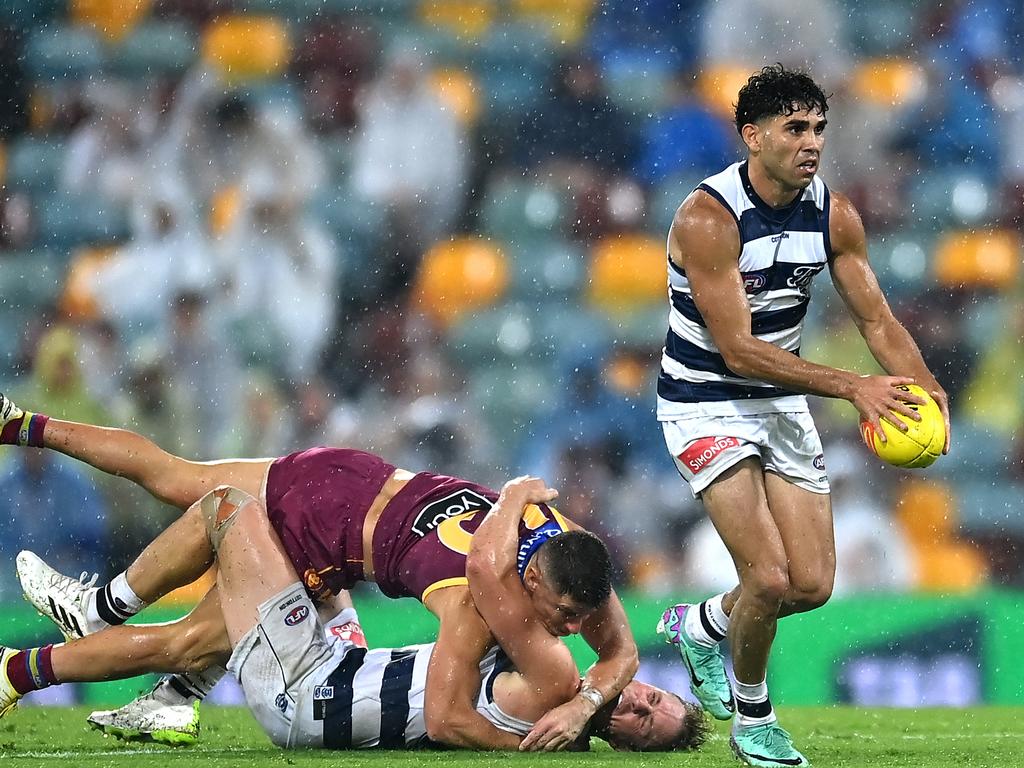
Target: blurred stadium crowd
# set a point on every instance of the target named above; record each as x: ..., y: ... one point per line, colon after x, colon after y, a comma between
x: 435, y: 229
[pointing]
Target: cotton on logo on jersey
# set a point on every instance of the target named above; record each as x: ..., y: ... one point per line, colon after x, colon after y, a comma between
x: 702, y: 452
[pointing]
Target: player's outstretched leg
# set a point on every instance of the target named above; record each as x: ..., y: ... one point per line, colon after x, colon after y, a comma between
x: 767, y: 745
x: 23, y: 671
x: 702, y: 658
x: 158, y: 716
x: 69, y: 603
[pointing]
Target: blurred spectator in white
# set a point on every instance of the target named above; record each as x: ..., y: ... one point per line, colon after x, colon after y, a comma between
x: 283, y: 280
x: 51, y: 506
x: 169, y: 253
x: 202, y: 364
x: 104, y: 363
x: 872, y: 552
x: 756, y: 33
x: 220, y: 140
x: 410, y: 153
x: 106, y: 148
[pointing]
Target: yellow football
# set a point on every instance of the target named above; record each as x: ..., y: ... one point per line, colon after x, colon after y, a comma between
x: 920, y: 445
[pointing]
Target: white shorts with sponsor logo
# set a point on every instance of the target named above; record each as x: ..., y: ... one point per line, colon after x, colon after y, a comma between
x: 281, y: 661
x: 787, y: 444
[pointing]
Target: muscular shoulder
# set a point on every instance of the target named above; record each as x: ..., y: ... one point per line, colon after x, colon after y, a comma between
x: 703, y: 229
x: 846, y: 230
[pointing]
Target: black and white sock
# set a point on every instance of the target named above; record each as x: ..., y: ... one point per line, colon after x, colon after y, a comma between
x: 707, y: 623
x: 186, y: 688
x: 114, y: 603
x: 753, y: 707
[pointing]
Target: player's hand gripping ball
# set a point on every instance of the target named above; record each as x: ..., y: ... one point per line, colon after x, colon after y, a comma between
x: 920, y: 445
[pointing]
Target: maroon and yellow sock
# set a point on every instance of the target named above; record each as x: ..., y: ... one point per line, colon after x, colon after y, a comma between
x: 28, y: 430
x: 31, y: 669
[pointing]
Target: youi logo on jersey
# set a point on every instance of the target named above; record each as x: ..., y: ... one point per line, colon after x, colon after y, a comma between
x: 452, y: 505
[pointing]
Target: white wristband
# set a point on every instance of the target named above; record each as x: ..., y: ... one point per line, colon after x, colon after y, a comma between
x: 592, y: 695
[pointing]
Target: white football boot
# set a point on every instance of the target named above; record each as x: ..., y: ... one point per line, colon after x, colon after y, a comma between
x: 151, y: 717
x: 8, y: 410
x: 60, y: 598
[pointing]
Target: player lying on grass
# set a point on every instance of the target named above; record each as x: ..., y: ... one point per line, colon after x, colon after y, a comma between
x: 309, y: 687
x: 343, y: 516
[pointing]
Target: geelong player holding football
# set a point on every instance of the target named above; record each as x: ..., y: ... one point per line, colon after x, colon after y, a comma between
x: 743, y: 249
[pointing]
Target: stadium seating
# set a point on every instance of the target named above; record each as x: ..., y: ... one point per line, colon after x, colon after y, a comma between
x: 459, y: 276
x: 61, y: 51
x: 154, y: 48
x: 522, y: 212
x: 112, y: 19
x: 246, y: 47
x: 34, y: 163
x: 889, y: 82
x: 978, y: 258
x: 627, y: 273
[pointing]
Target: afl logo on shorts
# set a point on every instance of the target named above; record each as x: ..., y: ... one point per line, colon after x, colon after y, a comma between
x: 298, y: 615
x: 819, y: 462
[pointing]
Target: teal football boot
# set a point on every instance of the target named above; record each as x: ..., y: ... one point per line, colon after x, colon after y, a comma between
x: 708, y: 681
x: 766, y: 746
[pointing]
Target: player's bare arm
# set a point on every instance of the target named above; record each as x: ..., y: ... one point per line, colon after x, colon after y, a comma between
x: 453, y: 677
x: 704, y: 242
x: 890, y: 343
x: 491, y: 568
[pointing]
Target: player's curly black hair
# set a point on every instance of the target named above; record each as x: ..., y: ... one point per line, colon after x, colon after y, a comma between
x: 775, y: 91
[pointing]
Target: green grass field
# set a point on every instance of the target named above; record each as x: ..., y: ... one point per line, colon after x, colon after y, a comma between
x: 832, y: 736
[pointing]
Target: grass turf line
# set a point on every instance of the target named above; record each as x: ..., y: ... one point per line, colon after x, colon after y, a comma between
x: 830, y: 736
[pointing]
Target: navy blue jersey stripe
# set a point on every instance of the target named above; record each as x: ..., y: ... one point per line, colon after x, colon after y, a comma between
x: 774, y: 320
x: 692, y: 356
x: 338, y: 710
x: 685, y: 305
x: 394, y: 699
x: 689, y: 392
x: 825, y: 218
x: 502, y: 663
x: 676, y: 268
x: 765, y: 321
x: 718, y: 196
x: 754, y: 225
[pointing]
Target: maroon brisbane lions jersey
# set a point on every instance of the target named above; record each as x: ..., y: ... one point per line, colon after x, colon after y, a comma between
x: 423, y: 535
x: 317, y: 502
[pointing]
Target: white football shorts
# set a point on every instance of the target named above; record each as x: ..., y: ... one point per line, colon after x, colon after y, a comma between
x: 280, y: 662
x: 787, y: 444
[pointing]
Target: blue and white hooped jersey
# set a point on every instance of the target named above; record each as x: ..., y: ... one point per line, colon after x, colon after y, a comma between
x: 781, y: 250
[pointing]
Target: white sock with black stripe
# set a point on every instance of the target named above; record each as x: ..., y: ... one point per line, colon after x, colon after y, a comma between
x: 114, y: 603
x: 707, y: 623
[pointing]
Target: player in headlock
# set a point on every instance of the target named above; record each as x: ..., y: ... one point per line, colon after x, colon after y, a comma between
x: 743, y: 250
x: 309, y: 686
x: 343, y: 516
